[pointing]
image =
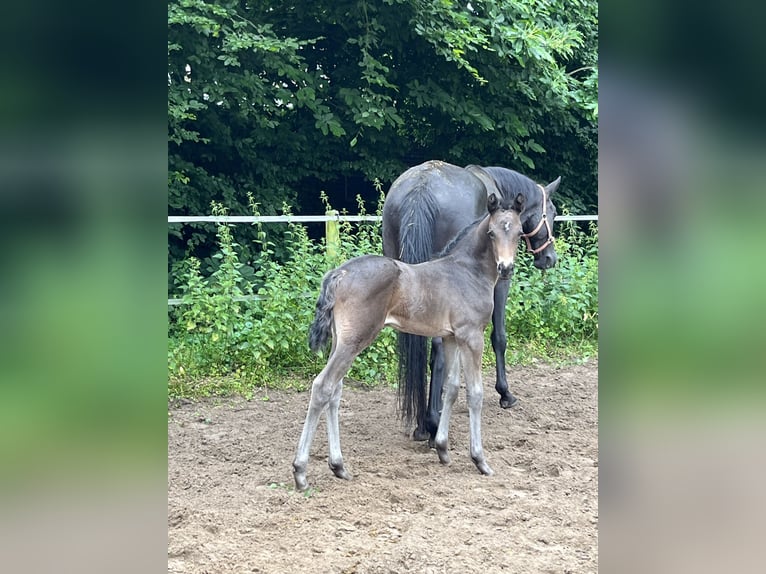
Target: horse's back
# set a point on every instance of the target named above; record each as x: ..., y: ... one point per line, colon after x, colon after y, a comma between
x: 453, y: 194
x: 449, y: 184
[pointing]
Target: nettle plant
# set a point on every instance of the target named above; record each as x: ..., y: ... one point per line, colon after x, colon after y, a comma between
x: 211, y: 313
x: 557, y: 308
x: 258, y: 333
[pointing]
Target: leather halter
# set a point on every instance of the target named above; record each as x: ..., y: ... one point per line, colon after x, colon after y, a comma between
x: 543, y: 221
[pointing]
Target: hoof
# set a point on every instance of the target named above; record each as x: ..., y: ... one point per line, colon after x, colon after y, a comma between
x: 420, y: 435
x: 301, y: 484
x: 508, y: 401
x: 340, y: 472
x: 443, y: 455
x: 484, y: 468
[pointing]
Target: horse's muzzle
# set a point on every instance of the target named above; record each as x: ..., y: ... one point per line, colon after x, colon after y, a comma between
x: 546, y: 261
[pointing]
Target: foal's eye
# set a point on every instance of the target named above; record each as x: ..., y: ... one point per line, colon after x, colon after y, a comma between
x: 491, y: 234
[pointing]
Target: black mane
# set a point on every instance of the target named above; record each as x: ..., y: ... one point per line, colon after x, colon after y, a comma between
x: 462, y: 233
x: 510, y: 183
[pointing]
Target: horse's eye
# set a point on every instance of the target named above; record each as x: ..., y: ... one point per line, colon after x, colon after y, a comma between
x: 491, y: 234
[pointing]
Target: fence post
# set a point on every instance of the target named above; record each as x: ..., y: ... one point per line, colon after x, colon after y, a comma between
x: 332, y: 235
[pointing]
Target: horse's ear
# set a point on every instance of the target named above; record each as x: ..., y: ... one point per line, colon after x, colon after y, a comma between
x: 492, y: 203
x: 552, y: 186
x: 518, y: 203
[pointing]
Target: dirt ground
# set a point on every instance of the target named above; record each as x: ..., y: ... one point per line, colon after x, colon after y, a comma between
x: 232, y: 506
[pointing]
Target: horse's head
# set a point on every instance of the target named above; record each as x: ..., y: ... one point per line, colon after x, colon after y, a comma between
x: 538, y: 213
x: 504, y: 231
x: 537, y: 222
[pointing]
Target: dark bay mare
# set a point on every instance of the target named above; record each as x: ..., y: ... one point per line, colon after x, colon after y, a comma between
x: 449, y: 297
x: 424, y: 210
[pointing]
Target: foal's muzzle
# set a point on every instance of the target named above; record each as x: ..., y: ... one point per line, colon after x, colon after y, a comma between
x: 505, y: 270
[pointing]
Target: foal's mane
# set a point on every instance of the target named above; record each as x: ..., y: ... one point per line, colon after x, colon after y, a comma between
x: 462, y: 233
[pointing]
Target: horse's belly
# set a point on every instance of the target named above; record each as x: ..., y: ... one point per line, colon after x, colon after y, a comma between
x: 417, y: 327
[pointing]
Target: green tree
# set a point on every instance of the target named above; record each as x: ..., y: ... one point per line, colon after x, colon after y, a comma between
x: 280, y: 99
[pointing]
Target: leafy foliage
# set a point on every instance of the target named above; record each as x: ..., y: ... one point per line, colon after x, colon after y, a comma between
x: 258, y: 336
x: 557, y: 308
x: 280, y: 99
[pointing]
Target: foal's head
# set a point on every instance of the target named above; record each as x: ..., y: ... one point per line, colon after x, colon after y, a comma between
x: 504, y: 232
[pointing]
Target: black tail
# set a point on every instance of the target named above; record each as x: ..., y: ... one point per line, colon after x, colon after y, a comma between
x: 413, y: 359
x: 415, y: 246
x: 321, y: 329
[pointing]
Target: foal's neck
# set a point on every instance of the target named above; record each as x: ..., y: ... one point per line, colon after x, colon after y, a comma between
x: 474, y: 252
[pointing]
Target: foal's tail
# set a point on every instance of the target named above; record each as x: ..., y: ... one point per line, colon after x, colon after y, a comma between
x: 321, y: 329
x: 416, y: 246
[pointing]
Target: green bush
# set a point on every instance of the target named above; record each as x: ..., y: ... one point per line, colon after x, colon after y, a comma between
x: 231, y: 335
x: 261, y: 340
x: 556, y: 310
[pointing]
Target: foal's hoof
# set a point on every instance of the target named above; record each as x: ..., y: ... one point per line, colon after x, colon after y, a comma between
x: 340, y: 471
x: 301, y: 484
x: 484, y: 468
x: 443, y: 455
x: 508, y: 401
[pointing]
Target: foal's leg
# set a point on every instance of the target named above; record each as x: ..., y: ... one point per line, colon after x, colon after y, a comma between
x: 470, y: 357
x: 499, y: 343
x: 325, y: 388
x: 333, y: 435
x: 452, y: 384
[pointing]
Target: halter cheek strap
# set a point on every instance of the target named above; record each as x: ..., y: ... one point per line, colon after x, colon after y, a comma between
x: 543, y: 221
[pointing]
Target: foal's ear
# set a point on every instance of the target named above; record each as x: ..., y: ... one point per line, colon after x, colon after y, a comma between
x: 518, y: 203
x: 492, y: 203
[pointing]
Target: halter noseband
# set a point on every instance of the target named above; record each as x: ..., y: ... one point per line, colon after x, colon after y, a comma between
x: 543, y: 220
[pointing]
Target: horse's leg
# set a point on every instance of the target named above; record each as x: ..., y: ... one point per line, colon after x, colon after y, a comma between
x: 470, y: 357
x: 333, y: 435
x: 323, y: 390
x: 431, y: 419
x: 421, y: 432
x: 499, y: 343
x: 452, y: 371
